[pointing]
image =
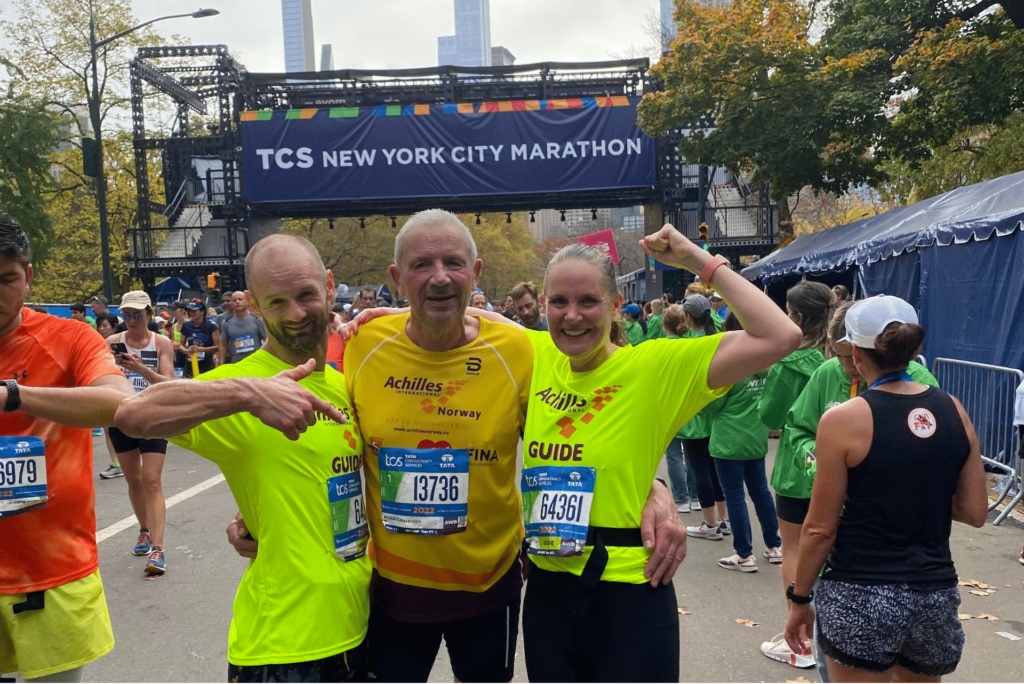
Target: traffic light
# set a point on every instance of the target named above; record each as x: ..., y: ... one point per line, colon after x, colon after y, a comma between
x: 213, y: 282
x: 702, y: 235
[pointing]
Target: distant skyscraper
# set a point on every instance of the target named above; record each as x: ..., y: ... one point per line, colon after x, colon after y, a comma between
x: 297, y: 18
x: 326, y: 57
x: 500, y: 56
x: 471, y: 44
x: 668, y: 26
x: 446, y: 52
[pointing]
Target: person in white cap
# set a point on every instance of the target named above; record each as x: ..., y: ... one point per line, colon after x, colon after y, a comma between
x: 146, y: 358
x: 888, y: 599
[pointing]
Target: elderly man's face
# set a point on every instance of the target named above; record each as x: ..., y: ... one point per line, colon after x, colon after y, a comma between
x: 437, y: 273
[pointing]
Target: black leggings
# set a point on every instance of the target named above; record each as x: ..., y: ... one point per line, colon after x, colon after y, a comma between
x: 630, y: 632
x: 709, y: 491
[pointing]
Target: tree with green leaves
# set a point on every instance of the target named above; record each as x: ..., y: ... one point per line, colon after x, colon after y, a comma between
x: 772, y: 97
x: 28, y: 136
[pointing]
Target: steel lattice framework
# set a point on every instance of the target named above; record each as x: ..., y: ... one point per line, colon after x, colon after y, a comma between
x: 205, y: 79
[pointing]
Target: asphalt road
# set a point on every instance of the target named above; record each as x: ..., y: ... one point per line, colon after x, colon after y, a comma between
x: 175, y: 628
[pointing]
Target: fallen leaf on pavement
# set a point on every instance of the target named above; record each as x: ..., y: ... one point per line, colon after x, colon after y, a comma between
x: 986, y: 616
x: 798, y: 680
x: 1007, y: 635
x: 974, y: 583
x: 746, y: 623
x: 965, y: 616
x: 979, y: 593
x: 683, y: 612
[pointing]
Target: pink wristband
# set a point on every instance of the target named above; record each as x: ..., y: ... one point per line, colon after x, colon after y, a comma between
x: 709, y: 270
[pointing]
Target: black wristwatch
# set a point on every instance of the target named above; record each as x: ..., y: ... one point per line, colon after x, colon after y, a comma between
x: 796, y: 598
x: 13, y: 396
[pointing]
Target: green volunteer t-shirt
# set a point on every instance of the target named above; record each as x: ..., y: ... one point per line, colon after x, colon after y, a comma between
x: 786, y: 380
x: 617, y: 418
x: 827, y: 388
x: 297, y: 601
x: 737, y: 433
x: 634, y: 332
x: 654, y: 329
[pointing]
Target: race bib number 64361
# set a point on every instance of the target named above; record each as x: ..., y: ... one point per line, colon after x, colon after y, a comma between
x: 556, y: 507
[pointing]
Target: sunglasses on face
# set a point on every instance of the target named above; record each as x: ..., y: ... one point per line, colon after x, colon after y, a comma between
x: 134, y: 316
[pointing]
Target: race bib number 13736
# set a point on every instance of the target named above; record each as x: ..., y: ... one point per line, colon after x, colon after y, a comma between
x: 424, y: 491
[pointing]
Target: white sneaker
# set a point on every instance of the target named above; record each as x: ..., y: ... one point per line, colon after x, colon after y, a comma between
x: 778, y: 649
x: 702, y: 531
x: 694, y: 504
x: 774, y: 555
x: 734, y: 562
x: 683, y: 506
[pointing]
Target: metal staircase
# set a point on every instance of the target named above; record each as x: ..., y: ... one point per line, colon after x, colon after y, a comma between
x: 189, y: 225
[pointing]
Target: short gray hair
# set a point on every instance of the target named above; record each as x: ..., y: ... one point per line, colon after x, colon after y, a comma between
x: 431, y: 217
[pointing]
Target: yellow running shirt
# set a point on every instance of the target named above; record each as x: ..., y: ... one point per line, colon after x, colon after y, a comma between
x: 296, y: 601
x: 473, y: 398
x: 618, y: 418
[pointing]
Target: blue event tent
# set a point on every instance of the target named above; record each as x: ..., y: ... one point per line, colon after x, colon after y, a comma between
x: 958, y: 258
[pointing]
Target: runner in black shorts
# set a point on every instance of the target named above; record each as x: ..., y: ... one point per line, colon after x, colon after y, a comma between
x: 145, y: 358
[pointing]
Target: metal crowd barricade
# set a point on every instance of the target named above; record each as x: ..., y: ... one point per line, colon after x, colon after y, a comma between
x: 987, y: 394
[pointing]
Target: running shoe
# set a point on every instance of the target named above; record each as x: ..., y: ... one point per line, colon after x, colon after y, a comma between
x: 774, y: 555
x: 694, y: 504
x: 144, y: 545
x: 778, y: 649
x: 734, y: 562
x: 725, y: 528
x: 111, y: 472
x: 702, y: 531
x: 97, y: 432
x: 683, y: 506
x: 1022, y: 555
x: 155, y: 565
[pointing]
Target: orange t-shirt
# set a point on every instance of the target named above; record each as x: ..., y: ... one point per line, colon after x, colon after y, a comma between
x: 55, y: 544
x: 336, y: 352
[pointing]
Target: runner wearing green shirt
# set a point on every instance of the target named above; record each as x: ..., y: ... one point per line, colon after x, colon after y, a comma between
x: 697, y: 433
x: 279, y: 426
x: 808, y: 305
x: 739, y: 444
x: 680, y: 473
x: 631, y: 322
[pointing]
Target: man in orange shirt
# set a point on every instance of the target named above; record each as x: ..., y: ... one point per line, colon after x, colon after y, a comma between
x: 57, y: 380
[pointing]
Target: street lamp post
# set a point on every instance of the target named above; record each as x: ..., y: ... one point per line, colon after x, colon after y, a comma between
x: 94, y: 116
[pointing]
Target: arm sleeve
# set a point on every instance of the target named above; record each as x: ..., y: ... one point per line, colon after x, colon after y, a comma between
x: 681, y: 376
x: 91, y: 358
x: 802, y: 419
x: 780, y: 391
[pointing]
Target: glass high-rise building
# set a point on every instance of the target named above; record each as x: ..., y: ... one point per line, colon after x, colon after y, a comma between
x: 471, y: 44
x: 297, y: 20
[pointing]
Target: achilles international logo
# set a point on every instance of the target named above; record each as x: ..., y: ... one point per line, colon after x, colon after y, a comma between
x: 593, y: 405
x: 447, y: 391
x: 407, y: 385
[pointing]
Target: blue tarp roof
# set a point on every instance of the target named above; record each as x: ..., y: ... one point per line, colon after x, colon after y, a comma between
x: 975, y: 211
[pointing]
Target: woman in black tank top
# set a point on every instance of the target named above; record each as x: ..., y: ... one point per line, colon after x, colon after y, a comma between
x: 895, y: 468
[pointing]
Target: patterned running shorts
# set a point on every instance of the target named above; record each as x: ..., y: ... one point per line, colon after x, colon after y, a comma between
x: 875, y: 627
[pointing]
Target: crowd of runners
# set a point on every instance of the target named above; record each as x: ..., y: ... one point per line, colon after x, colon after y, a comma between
x: 373, y: 460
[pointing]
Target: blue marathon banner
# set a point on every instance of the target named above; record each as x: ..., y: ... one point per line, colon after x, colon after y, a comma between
x: 490, y: 148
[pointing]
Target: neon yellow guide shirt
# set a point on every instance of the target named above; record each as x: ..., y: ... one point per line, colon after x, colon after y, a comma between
x: 296, y: 601
x: 618, y: 418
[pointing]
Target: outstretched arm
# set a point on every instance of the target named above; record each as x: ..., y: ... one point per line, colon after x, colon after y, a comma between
x: 767, y: 336
x: 173, y: 408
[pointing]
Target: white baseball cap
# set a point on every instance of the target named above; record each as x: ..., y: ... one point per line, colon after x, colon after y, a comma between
x: 869, y: 317
x: 136, y: 299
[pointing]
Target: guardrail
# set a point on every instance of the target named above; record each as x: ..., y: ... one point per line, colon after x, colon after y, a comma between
x: 214, y: 243
x: 987, y: 393
x: 756, y: 223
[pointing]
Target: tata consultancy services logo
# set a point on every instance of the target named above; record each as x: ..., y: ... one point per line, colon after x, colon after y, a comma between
x: 447, y: 461
x: 23, y: 445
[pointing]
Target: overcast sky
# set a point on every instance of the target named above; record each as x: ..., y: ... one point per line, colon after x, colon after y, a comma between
x: 403, y: 33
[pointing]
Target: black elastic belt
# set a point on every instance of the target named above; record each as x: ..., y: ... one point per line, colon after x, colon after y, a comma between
x: 598, y: 539
x: 34, y: 600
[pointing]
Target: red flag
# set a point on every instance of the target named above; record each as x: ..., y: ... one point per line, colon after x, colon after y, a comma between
x: 604, y: 240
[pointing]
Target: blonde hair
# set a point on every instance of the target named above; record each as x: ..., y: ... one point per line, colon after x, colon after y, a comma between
x: 657, y: 307
x: 698, y: 289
